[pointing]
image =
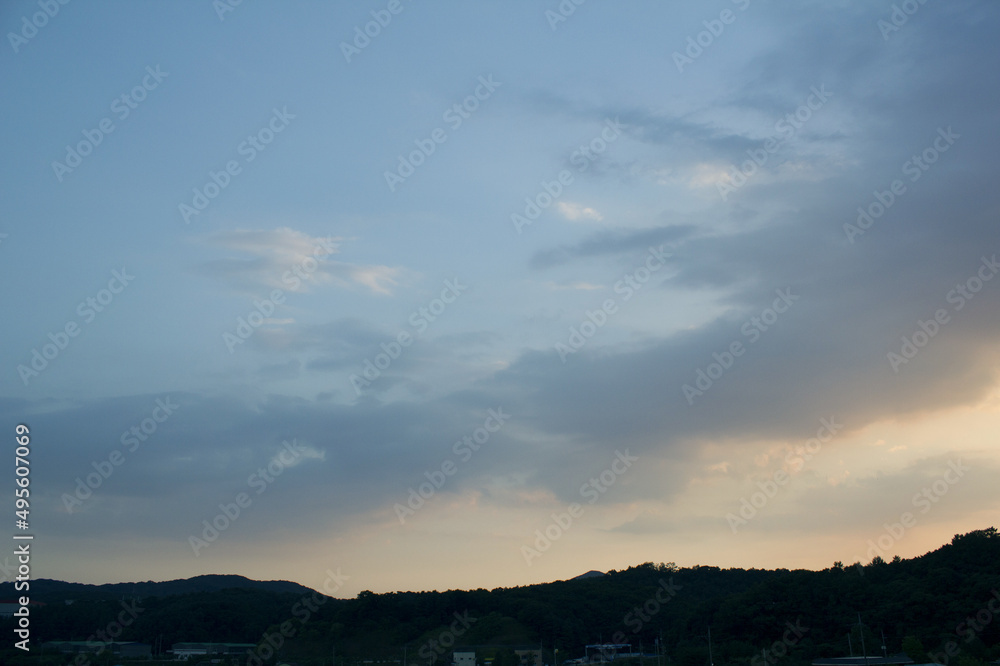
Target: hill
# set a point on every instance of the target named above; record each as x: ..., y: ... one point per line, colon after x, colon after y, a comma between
x: 57, y: 591
x: 945, y: 599
x: 589, y: 574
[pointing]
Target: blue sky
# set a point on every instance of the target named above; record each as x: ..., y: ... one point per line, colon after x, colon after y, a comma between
x: 595, y: 327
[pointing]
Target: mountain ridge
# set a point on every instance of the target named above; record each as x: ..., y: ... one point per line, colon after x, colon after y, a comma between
x: 926, y: 606
x: 49, y: 589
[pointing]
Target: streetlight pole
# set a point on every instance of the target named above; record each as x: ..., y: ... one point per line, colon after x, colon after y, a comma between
x: 861, y: 627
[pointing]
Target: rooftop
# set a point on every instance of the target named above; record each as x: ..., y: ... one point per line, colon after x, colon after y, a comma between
x: 893, y: 660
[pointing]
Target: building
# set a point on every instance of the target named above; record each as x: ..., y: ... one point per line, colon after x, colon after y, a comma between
x: 602, y: 652
x: 124, y: 650
x: 188, y: 650
x: 130, y: 650
x: 466, y: 656
x: 463, y: 659
x: 895, y: 660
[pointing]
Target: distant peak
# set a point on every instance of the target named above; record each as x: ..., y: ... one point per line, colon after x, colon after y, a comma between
x: 589, y: 574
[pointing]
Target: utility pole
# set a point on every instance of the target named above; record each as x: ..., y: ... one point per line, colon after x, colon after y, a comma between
x: 884, y: 653
x: 711, y: 661
x: 861, y: 627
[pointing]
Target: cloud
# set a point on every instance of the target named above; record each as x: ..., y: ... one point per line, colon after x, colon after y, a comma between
x: 379, y: 279
x: 336, y: 464
x: 578, y: 286
x: 825, y: 356
x: 574, y: 211
x: 929, y: 488
x: 291, y: 260
x: 856, y: 299
x: 610, y: 243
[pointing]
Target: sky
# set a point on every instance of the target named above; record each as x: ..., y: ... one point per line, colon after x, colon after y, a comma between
x: 458, y: 295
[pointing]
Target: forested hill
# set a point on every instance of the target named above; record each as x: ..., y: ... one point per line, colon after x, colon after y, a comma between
x: 920, y: 604
x: 47, y: 591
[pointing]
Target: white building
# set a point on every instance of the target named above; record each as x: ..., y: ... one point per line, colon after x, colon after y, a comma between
x: 463, y: 659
